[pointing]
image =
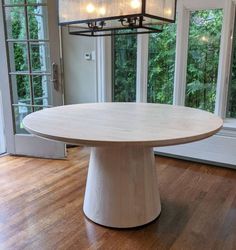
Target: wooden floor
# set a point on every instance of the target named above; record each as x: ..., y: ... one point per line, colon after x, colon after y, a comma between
x: 41, y: 207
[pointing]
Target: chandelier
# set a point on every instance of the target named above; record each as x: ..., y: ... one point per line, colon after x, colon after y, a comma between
x: 103, y: 17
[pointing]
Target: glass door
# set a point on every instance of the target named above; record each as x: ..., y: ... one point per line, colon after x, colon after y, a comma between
x: 33, y: 61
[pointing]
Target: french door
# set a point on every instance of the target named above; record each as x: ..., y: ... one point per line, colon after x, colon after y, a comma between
x: 30, y: 70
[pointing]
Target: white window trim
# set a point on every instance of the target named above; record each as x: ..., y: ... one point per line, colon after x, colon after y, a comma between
x: 104, y: 69
x: 202, y: 4
x: 142, y: 67
x: 225, y: 59
x: 5, y: 90
x: 181, y: 55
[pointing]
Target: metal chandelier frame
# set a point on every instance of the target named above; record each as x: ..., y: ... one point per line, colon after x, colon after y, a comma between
x: 133, y: 24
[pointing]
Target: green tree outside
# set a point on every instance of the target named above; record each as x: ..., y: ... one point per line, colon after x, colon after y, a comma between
x: 18, y: 31
x: 232, y: 84
x: 202, y: 69
x: 124, y: 68
x: 203, y: 58
x: 161, y: 65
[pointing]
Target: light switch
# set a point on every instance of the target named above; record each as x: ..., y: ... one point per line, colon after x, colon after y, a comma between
x: 88, y: 56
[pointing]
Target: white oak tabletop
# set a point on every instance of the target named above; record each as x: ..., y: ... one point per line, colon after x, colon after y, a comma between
x: 143, y: 124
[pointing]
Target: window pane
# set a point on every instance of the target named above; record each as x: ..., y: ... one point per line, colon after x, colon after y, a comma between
x: 21, y: 89
x: 14, y: 1
x: 15, y: 22
x: 18, y: 56
x: 40, y: 58
x: 124, y: 68
x: 203, y: 57
x: 20, y: 112
x: 161, y: 65
x: 42, y: 90
x: 37, y: 19
x: 36, y: 1
x: 39, y: 108
x: 231, y: 109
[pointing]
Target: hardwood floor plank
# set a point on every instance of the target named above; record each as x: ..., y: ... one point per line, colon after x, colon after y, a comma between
x: 41, y: 207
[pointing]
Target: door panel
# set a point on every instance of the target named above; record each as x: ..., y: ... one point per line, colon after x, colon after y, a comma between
x: 31, y: 40
x: 2, y: 136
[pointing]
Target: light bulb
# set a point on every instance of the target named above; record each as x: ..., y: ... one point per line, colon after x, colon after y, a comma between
x: 135, y: 4
x: 102, y: 11
x: 90, y: 8
x: 168, y: 12
x: 204, y: 39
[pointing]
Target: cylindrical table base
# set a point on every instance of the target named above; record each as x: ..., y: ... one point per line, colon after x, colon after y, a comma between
x: 122, y: 189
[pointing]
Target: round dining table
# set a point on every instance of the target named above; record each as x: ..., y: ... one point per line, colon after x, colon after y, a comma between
x: 122, y: 186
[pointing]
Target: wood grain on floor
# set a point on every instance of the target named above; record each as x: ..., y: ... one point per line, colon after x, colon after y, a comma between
x: 41, y: 207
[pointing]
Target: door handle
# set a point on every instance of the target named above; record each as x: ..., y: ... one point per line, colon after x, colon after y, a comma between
x: 54, y: 76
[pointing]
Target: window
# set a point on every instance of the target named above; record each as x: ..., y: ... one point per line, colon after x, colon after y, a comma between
x: 203, y: 57
x: 161, y: 65
x: 124, y: 68
x: 29, y: 59
x: 203, y: 32
x: 231, y: 109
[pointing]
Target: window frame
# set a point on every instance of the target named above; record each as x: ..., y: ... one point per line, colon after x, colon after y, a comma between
x: 225, y: 60
x: 104, y: 69
x: 233, y: 36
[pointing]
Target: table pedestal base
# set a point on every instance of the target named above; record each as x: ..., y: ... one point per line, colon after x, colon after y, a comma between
x: 122, y: 189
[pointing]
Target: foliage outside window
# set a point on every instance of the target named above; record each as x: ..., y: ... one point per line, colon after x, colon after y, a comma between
x: 27, y: 56
x: 231, y: 109
x: 18, y: 30
x: 203, y: 58
x: 124, y: 68
x: 161, y: 65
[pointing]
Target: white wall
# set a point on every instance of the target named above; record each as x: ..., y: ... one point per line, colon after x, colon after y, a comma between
x: 79, y: 74
x: 211, y: 150
x: 203, y: 4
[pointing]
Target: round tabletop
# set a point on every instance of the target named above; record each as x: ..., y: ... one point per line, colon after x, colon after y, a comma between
x: 144, y: 124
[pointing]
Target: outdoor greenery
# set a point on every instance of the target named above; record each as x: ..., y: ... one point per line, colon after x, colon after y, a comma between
x: 124, y: 68
x: 203, y: 57
x: 22, y: 61
x: 202, y: 69
x: 232, y: 87
x: 161, y: 65
x: 17, y: 30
